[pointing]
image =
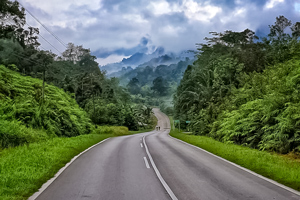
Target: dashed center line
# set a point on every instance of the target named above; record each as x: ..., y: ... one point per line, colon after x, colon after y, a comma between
x: 146, y: 162
x: 141, y: 145
x: 168, y: 189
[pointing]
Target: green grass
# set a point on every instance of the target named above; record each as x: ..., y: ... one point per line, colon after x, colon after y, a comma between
x: 141, y: 131
x: 271, y: 165
x: 38, y: 138
x: 113, y: 130
x: 22, y: 110
x: 24, y: 169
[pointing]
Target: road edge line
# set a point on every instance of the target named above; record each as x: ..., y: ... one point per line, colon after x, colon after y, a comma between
x: 50, y: 181
x: 161, y: 179
x: 242, y: 168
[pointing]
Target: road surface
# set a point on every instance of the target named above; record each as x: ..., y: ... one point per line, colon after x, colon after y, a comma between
x: 153, y: 165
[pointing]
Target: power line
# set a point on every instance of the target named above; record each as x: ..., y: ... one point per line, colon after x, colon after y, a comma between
x: 46, y: 40
x: 41, y: 37
x: 43, y: 48
x: 28, y: 59
x: 56, y: 37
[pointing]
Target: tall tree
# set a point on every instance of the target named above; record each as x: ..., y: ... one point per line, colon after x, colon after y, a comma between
x: 133, y: 86
x: 45, y: 58
x: 279, y: 41
x: 277, y: 31
x: 10, y: 13
x: 160, y: 86
x: 296, y: 30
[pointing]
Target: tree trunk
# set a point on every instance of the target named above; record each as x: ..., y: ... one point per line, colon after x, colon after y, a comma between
x: 43, y: 89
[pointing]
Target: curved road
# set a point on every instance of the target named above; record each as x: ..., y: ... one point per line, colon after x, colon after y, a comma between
x: 155, y: 166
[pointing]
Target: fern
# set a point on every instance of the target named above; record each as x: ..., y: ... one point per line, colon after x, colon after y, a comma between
x: 20, y: 103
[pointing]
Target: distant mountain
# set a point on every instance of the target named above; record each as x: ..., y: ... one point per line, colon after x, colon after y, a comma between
x: 123, y: 71
x: 145, y: 74
x: 158, y: 57
x: 156, y: 79
x: 133, y: 61
x: 168, y: 59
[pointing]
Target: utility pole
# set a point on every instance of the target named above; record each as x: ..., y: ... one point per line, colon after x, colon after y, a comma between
x: 43, y: 89
x: 173, y: 125
x: 93, y: 93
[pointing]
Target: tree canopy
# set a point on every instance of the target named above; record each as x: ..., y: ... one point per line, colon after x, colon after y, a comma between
x: 75, y: 70
x: 241, y: 89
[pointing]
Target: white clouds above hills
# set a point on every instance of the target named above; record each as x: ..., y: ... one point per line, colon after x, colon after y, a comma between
x: 114, y: 29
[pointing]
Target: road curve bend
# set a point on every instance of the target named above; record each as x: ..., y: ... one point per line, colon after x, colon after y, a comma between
x: 193, y: 173
x: 152, y: 166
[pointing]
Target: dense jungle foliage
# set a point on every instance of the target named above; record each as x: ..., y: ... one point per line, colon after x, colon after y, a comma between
x: 245, y: 90
x: 33, y: 109
x: 155, y: 85
x: 25, y: 117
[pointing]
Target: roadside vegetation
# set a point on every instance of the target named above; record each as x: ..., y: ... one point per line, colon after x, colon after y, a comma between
x: 283, y: 169
x: 24, y: 169
x: 40, y: 135
x: 26, y: 116
x: 75, y: 71
x: 244, y: 90
x: 52, y: 107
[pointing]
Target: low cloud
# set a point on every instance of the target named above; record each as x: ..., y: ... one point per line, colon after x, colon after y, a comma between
x: 113, y: 58
x: 116, y: 28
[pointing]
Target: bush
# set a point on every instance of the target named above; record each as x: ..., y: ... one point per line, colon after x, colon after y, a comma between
x: 114, y: 130
x: 267, y: 111
x: 21, y: 104
x: 13, y: 133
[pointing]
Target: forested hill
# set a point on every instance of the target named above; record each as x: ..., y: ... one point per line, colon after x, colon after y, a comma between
x: 143, y: 59
x: 154, y: 82
x: 154, y: 86
x: 146, y: 74
x: 75, y: 71
x: 245, y: 90
x: 31, y: 113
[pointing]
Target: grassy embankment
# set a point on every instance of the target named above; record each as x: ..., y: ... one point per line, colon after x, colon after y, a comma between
x: 24, y: 169
x: 38, y: 137
x: 283, y: 169
x: 140, y: 131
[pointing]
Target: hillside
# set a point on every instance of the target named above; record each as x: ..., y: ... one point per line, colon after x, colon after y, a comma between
x: 142, y: 60
x: 154, y: 86
x: 147, y: 73
x: 151, y: 79
x: 245, y: 90
x: 25, y: 117
x: 133, y: 61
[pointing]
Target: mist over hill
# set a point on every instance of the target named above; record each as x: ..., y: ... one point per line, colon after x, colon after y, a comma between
x: 142, y: 60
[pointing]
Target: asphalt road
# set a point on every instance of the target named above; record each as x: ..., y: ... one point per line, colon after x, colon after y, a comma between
x: 155, y: 166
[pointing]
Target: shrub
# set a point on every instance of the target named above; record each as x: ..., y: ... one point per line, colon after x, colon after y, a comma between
x: 114, y: 130
x: 22, y: 106
x: 13, y: 133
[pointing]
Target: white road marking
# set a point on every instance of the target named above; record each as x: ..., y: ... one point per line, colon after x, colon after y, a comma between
x: 163, y: 182
x: 146, y: 162
x: 242, y: 168
x: 141, y: 145
x: 46, y: 185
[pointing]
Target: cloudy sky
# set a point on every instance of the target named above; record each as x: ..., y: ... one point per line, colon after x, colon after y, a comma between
x: 114, y: 29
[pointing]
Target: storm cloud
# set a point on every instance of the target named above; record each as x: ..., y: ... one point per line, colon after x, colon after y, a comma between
x: 114, y: 29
